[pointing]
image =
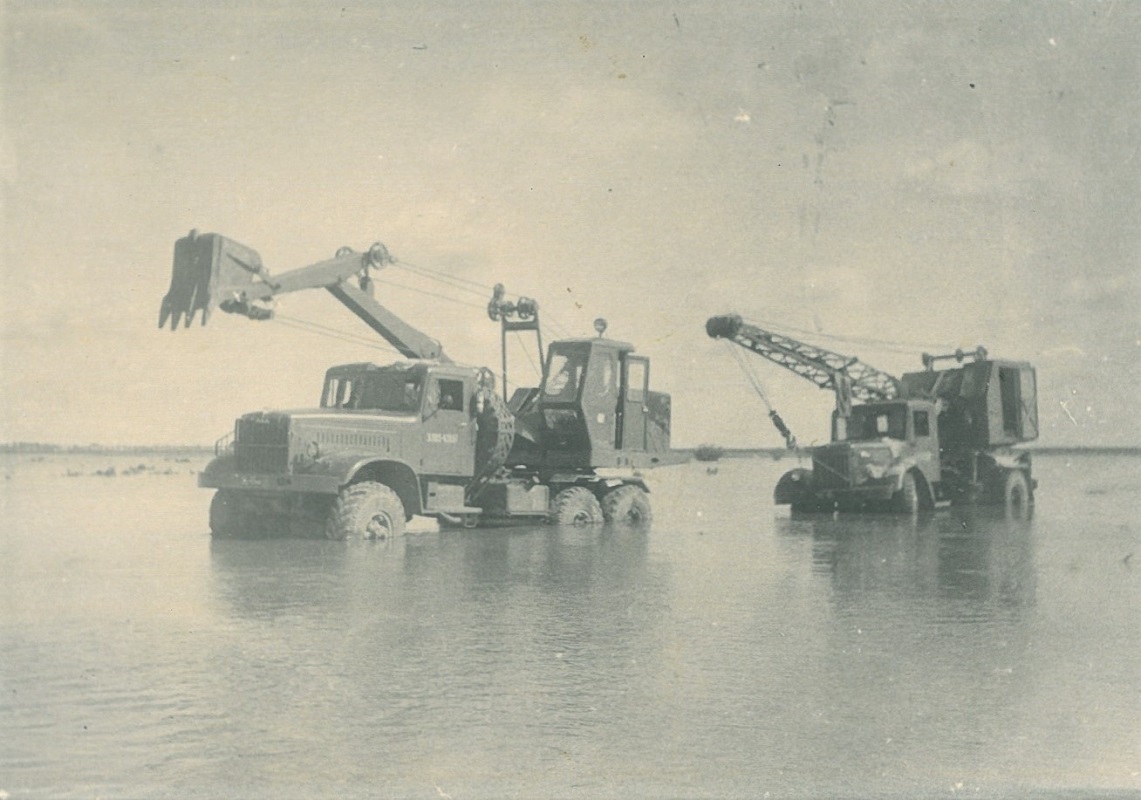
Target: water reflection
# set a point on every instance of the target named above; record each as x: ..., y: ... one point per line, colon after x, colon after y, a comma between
x: 265, y: 579
x: 971, y: 565
x: 583, y: 573
x: 543, y: 626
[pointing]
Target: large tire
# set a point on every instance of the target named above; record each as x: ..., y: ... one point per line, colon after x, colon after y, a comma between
x: 226, y: 517
x: 576, y: 506
x: 366, y: 510
x: 627, y: 505
x: 1016, y: 498
x: 906, y: 500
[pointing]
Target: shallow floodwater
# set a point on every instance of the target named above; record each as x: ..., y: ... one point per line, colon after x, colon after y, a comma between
x: 724, y: 651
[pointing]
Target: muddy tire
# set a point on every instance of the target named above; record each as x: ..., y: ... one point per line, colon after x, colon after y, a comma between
x: 366, y: 510
x: 626, y: 505
x: 575, y: 506
x: 1016, y: 495
x: 906, y: 500
x: 226, y: 518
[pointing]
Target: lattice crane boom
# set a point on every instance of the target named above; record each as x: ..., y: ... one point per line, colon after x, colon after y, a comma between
x: 848, y: 377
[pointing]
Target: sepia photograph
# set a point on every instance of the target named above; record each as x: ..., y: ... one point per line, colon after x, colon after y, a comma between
x: 572, y: 399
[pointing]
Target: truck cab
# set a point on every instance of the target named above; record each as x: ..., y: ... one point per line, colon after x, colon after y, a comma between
x: 873, y: 448
x: 412, y: 424
x: 439, y: 400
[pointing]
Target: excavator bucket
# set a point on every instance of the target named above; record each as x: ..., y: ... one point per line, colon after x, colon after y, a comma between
x: 209, y: 270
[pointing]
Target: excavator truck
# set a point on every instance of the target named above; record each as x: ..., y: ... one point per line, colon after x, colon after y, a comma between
x: 422, y: 436
x: 926, y: 439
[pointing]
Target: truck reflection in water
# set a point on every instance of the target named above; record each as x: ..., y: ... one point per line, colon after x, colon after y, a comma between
x: 966, y: 564
x: 566, y: 570
x: 428, y: 635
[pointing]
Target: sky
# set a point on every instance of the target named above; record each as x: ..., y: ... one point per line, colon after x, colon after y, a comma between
x: 879, y: 178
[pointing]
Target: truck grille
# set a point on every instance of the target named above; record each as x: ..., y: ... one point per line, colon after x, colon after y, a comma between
x: 262, y: 444
x: 831, y: 467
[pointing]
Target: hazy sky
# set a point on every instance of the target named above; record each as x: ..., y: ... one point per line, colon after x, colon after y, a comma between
x: 925, y: 174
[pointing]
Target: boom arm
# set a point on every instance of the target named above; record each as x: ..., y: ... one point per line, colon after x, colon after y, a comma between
x: 211, y: 271
x: 847, y: 376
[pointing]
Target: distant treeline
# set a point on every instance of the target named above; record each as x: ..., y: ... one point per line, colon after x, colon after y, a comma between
x: 99, y: 449
x: 708, y: 452
x: 1086, y: 451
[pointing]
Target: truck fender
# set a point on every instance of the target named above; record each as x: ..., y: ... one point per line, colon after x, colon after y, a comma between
x: 641, y: 484
x: 1009, y: 460
x: 926, y: 491
x: 399, y: 476
x: 596, y: 483
x: 792, y: 486
x: 224, y: 464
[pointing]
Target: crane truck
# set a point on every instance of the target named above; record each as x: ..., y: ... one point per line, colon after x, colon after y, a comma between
x: 422, y: 436
x: 928, y: 438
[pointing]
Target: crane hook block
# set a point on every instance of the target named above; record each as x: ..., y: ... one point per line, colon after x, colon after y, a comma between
x: 778, y: 423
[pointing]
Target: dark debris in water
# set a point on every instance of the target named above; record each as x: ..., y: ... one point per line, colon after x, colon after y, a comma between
x: 112, y: 472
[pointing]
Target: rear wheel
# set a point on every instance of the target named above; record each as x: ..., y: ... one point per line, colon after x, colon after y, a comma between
x: 366, y: 510
x: 906, y: 500
x: 626, y: 504
x: 576, y: 506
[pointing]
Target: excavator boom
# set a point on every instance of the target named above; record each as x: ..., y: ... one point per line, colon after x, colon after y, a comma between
x: 212, y: 271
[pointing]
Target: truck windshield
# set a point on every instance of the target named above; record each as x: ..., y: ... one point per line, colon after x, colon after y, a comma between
x: 877, y: 422
x: 397, y: 392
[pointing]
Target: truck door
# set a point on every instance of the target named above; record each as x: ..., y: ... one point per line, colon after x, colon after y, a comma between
x: 635, y: 384
x: 447, y: 429
x: 925, y: 434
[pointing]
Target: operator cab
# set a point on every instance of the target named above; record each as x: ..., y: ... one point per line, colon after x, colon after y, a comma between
x: 594, y: 407
x: 586, y: 399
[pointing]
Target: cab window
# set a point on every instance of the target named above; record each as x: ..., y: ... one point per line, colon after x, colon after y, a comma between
x: 635, y: 381
x: 564, y: 373
x: 448, y: 395
x: 877, y: 422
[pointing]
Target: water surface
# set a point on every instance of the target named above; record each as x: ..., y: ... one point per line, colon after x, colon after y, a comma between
x: 724, y: 651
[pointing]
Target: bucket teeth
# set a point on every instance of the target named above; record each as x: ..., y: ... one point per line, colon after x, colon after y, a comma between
x: 207, y: 269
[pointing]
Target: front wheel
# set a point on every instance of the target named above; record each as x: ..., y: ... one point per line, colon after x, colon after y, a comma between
x: 906, y: 500
x: 366, y: 510
x: 1016, y: 495
x: 226, y: 518
x: 576, y: 506
x: 626, y: 505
